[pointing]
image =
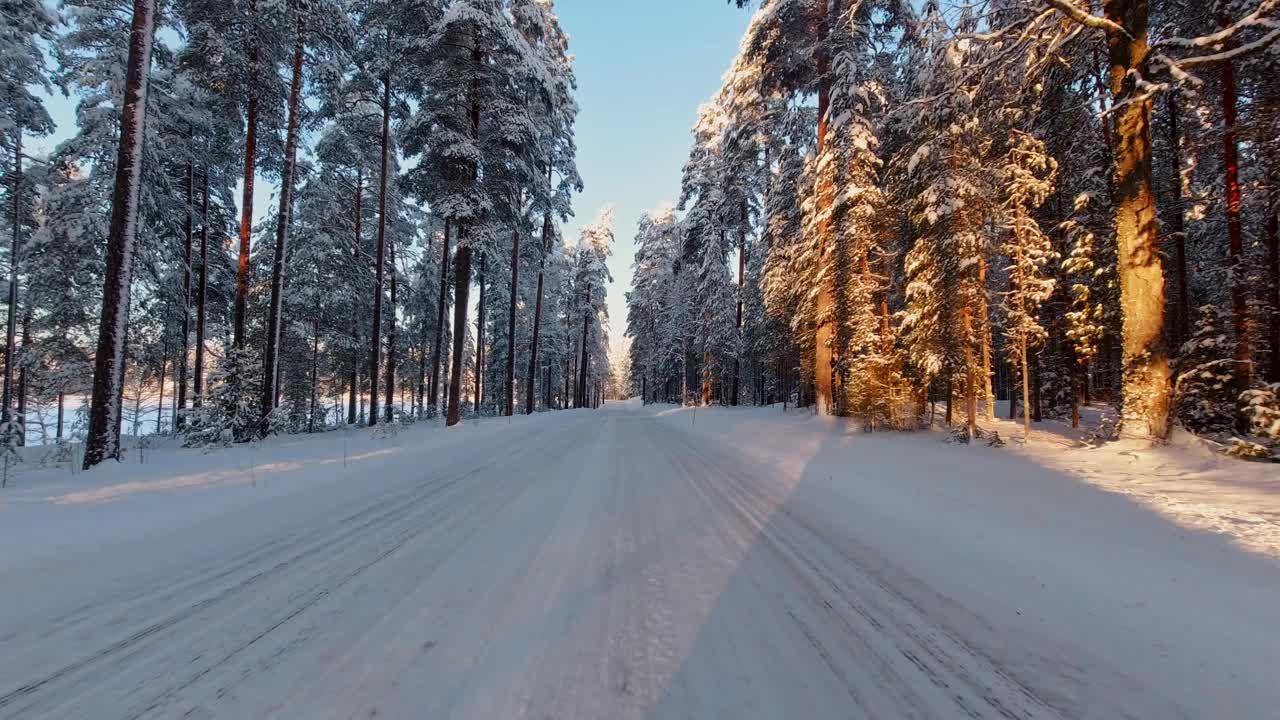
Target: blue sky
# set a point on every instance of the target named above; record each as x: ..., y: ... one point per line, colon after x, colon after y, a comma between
x: 643, y: 68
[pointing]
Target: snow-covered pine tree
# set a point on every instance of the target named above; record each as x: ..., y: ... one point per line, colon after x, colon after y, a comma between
x: 1028, y: 180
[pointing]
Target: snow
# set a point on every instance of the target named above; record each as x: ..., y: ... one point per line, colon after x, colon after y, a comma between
x: 644, y: 562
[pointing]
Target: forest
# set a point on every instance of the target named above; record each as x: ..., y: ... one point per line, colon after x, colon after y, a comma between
x: 893, y: 210
x: 416, y: 148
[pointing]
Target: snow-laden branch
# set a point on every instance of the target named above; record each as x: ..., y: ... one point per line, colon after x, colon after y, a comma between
x: 1084, y: 18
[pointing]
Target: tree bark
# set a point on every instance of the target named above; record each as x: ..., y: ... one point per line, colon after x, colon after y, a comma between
x: 480, y: 313
x: 1235, y: 235
x: 22, y: 372
x: 437, y: 348
x: 533, y: 351
x: 284, y: 217
x: 160, y: 402
x: 1146, y: 390
x: 742, y: 274
x: 375, y: 345
x: 103, y: 440
x: 14, y: 260
x: 1177, y: 230
x: 825, y: 352
x: 353, y: 412
x: 391, y: 335
x: 188, y: 240
x: 510, y: 388
x: 202, y: 290
x: 246, y: 214
x: 315, y: 372
x: 1273, y: 270
x: 582, y: 366
x: 462, y: 283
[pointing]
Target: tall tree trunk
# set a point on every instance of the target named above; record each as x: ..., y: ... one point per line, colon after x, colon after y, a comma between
x: 984, y: 330
x: 353, y: 413
x: 10, y: 348
x: 391, y: 334
x: 103, y: 440
x: 826, y: 355
x: 240, y: 310
x: 480, y: 314
x: 375, y: 345
x: 742, y: 279
x: 284, y: 217
x: 533, y: 350
x: 1177, y: 234
x: 462, y: 288
x: 510, y: 387
x: 582, y: 365
x: 1026, y: 387
x: 438, y: 346
x: 1239, y: 274
x: 202, y: 291
x: 62, y: 399
x: 22, y: 372
x: 1273, y: 271
x: 160, y: 402
x: 1145, y: 357
x: 315, y: 373
x: 185, y: 330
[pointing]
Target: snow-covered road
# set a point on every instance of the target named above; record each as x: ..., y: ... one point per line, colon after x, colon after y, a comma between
x: 585, y: 565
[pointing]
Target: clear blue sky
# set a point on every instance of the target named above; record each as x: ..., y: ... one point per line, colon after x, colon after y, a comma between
x: 643, y: 68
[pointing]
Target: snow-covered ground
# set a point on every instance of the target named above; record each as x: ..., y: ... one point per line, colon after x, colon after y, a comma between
x: 644, y: 562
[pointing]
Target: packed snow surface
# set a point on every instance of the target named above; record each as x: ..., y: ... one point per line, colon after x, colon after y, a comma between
x: 639, y: 562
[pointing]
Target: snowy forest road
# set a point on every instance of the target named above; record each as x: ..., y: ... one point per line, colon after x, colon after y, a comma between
x: 595, y: 565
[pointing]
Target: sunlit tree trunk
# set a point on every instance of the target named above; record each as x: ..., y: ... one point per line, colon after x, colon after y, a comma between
x: 240, y: 309
x: 284, y: 217
x: 103, y: 440
x: 1273, y: 272
x: 825, y: 352
x: 1146, y: 390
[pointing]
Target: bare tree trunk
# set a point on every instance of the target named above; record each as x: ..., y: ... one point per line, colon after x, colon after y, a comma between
x: 825, y: 352
x: 160, y: 402
x: 315, y: 372
x: 462, y: 283
x: 742, y: 275
x: 202, y: 290
x: 533, y: 351
x: 1273, y: 270
x: 61, y: 413
x: 391, y: 334
x: 22, y: 373
x: 188, y: 237
x: 510, y: 388
x: 437, y: 348
x: 582, y: 367
x: 1145, y: 357
x: 375, y: 345
x: 103, y: 440
x: 10, y: 348
x: 284, y: 217
x: 480, y: 316
x: 1026, y: 389
x: 1177, y: 230
x: 246, y: 213
x: 1239, y: 275
x: 353, y: 413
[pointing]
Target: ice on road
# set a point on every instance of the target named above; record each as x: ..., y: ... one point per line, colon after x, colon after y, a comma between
x: 601, y: 564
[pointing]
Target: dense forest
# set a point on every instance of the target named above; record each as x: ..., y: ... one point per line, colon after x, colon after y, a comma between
x: 892, y: 207
x: 417, y: 148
